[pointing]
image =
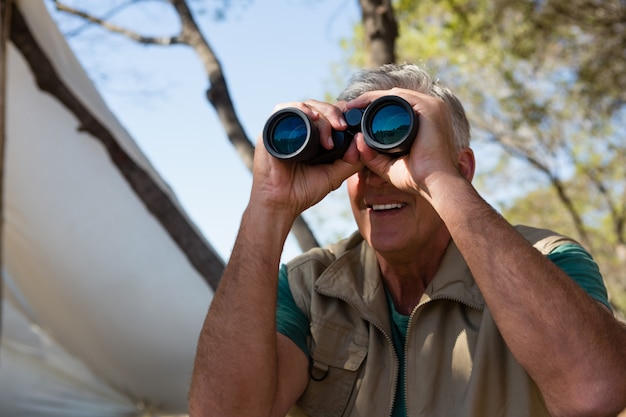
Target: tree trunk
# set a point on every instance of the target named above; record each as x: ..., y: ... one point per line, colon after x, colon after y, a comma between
x: 381, y: 30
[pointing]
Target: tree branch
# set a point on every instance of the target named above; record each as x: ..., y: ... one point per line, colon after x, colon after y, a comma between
x: 508, y: 145
x: 217, y: 92
x: 164, y: 41
x: 201, y: 255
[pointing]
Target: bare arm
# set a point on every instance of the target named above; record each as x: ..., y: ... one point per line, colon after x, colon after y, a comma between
x: 569, y: 344
x: 243, y: 366
x: 572, y: 347
x: 238, y: 362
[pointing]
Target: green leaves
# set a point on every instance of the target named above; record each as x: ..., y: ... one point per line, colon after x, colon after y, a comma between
x: 545, y: 82
x: 544, y: 87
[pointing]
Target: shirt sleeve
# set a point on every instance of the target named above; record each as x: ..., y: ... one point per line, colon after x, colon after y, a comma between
x: 576, y: 262
x: 290, y: 320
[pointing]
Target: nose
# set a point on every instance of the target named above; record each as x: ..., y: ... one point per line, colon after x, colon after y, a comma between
x: 372, y: 179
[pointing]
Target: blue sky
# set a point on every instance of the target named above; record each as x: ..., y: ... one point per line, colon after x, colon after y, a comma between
x: 269, y: 54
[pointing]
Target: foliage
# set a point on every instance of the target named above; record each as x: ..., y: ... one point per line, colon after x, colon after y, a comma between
x: 545, y: 82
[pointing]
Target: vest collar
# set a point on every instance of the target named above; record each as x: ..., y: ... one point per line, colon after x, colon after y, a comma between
x: 355, y: 278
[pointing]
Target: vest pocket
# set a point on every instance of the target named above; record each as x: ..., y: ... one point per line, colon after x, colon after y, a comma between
x: 336, y: 356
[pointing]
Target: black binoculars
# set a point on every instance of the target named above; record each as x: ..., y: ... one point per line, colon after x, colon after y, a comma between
x: 389, y: 125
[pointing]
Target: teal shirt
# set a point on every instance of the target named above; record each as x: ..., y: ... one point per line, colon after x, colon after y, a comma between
x: 293, y: 323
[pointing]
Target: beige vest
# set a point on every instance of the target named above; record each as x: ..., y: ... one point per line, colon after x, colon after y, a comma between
x: 457, y: 364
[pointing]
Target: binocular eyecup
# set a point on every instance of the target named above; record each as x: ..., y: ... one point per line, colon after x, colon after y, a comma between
x: 389, y: 125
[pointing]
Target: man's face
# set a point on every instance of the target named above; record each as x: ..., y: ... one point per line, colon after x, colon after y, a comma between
x: 393, y: 222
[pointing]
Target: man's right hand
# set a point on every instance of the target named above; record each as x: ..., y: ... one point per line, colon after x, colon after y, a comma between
x: 290, y: 188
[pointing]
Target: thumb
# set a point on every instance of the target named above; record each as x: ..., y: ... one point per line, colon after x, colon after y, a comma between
x: 343, y: 168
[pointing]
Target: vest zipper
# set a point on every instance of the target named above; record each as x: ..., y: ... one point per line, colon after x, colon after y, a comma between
x: 406, y: 350
x: 475, y: 306
x: 380, y: 329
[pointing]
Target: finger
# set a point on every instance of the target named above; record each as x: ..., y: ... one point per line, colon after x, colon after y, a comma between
x: 329, y: 117
x: 343, y: 168
x: 377, y: 162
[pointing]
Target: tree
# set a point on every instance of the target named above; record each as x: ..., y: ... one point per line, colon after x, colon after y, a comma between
x: 217, y: 92
x: 380, y: 32
x: 544, y: 82
x: 379, y: 25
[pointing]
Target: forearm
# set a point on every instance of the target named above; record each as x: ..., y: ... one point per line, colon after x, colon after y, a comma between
x: 569, y: 344
x: 236, y: 362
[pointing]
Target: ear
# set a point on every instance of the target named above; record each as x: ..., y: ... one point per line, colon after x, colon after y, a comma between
x: 467, y: 163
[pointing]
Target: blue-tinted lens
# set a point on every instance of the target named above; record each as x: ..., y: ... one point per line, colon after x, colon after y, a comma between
x: 289, y: 134
x: 390, y: 124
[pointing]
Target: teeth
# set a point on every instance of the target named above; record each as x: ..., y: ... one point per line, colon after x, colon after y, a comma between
x: 380, y: 207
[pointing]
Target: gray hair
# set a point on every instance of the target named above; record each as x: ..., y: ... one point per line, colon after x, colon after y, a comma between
x: 410, y: 77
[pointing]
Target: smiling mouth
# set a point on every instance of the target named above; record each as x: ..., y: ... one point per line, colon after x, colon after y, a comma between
x: 384, y: 207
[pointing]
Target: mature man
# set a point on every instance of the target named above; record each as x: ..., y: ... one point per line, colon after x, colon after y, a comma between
x: 436, y: 307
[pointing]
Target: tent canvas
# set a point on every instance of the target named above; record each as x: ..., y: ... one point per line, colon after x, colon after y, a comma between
x: 105, y: 279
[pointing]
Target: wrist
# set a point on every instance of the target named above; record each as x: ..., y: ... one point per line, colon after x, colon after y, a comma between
x: 452, y: 196
x: 267, y: 223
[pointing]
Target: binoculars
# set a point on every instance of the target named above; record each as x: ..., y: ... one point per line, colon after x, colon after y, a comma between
x: 389, y: 125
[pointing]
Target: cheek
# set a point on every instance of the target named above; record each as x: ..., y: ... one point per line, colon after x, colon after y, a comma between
x: 356, y: 200
x: 354, y: 193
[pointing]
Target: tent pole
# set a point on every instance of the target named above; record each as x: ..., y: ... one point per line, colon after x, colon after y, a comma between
x: 5, y: 16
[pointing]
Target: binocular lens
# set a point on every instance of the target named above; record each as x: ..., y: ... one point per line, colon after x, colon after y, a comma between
x: 390, y: 124
x: 289, y: 134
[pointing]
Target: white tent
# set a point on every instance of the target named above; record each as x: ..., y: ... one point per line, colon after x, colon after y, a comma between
x: 106, y: 281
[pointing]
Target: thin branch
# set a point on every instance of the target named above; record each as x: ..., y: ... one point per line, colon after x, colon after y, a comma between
x: 147, y: 40
x: 217, y: 92
x: 617, y: 213
x: 508, y: 145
